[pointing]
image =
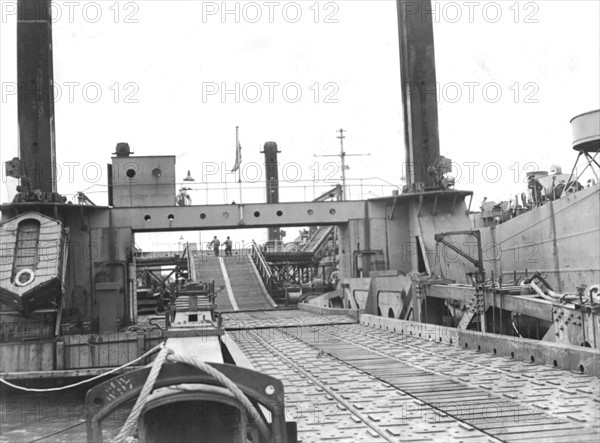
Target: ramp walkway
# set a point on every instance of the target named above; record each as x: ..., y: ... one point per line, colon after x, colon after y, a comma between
x: 242, y: 288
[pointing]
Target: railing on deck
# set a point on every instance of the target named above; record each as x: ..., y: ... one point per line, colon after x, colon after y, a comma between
x: 253, y: 191
x: 189, y: 256
x: 262, y: 266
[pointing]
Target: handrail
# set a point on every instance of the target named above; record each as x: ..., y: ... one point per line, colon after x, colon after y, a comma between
x: 262, y: 266
x: 302, y: 190
x: 190, y: 263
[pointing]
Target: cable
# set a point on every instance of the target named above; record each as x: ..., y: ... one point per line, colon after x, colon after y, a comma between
x: 131, y: 422
x: 516, y: 330
x: 61, y: 388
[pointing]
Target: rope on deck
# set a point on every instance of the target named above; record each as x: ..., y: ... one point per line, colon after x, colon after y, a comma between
x: 167, y: 354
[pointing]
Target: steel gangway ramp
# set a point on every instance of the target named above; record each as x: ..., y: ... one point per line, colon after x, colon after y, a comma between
x: 353, y: 380
x: 317, y: 239
x: 241, y: 286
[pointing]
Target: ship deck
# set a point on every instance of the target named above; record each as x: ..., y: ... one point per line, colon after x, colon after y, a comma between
x: 351, y: 381
x: 346, y: 381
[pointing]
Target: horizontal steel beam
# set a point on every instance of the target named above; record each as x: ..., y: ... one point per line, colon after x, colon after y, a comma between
x: 168, y: 218
x: 533, y: 307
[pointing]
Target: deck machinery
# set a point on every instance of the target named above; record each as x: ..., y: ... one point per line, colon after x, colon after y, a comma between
x: 425, y: 342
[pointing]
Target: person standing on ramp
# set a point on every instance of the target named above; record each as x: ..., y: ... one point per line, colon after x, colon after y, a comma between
x: 228, y: 247
x: 215, y: 243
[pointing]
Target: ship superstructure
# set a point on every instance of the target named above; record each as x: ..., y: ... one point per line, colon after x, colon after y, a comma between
x: 430, y: 328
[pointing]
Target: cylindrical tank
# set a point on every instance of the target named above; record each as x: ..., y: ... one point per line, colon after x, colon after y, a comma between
x: 123, y: 150
x: 586, y: 131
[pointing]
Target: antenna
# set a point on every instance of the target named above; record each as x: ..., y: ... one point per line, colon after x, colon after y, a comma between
x: 342, y: 155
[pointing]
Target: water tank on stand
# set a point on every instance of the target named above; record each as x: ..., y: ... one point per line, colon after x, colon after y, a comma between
x: 586, y: 131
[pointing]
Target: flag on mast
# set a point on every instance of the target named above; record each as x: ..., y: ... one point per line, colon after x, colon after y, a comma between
x: 238, y: 151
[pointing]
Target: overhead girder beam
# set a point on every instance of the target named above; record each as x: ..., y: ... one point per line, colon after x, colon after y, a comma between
x: 171, y: 218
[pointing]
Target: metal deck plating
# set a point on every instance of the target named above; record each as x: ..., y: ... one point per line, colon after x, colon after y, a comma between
x: 352, y: 382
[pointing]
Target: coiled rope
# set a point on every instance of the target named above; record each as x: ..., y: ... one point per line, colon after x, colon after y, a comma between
x: 167, y: 354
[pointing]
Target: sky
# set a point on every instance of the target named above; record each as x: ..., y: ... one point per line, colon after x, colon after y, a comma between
x: 177, y: 77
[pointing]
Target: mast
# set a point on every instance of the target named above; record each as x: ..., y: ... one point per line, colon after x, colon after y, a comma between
x: 37, y: 149
x: 419, y: 91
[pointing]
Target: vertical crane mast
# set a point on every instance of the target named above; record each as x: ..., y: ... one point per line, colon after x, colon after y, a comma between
x: 37, y: 148
x: 419, y: 93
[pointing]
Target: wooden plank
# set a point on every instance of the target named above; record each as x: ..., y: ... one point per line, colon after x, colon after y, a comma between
x: 102, y: 355
x: 60, y: 355
x: 26, y: 356
x: 34, y: 360
x: 141, y: 345
x: 70, y: 357
x: 85, y: 357
x: 67, y: 373
x: 127, y: 352
x: 113, y: 353
x: 48, y: 358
